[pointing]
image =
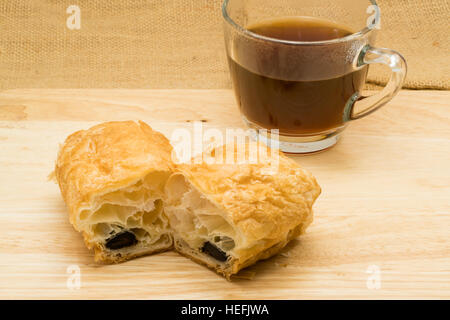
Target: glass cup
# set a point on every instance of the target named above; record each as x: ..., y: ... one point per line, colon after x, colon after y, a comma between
x: 307, y: 90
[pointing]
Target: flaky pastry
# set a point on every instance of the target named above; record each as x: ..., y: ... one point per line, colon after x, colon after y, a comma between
x: 112, y: 178
x: 127, y: 197
x: 228, y: 216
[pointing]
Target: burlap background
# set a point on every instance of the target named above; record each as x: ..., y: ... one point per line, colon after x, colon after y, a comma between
x: 178, y: 43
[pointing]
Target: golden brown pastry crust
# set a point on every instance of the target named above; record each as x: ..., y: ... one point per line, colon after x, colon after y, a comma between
x: 105, y: 158
x: 261, y: 210
x: 266, y: 210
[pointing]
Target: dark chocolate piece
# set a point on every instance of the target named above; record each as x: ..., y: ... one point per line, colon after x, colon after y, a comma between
x: 121, y: 240
x: 214, y: 252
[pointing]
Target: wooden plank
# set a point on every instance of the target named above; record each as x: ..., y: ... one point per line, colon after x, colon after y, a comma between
x: 385, y: 203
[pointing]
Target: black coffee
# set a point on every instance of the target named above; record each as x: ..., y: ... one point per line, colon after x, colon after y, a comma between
x: 295, y: 107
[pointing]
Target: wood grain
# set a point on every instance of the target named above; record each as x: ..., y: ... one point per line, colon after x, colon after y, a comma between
x: 385, y: 202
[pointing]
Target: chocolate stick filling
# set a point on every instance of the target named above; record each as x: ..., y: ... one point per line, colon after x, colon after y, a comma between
x: 214, y: 252
x: 121, y: 240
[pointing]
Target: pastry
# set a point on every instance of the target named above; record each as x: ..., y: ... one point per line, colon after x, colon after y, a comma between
x: 228, y: 216
x: 112, y: 179
x: 127, y: 197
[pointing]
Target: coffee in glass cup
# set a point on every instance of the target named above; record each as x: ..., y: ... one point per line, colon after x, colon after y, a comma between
x: 296, y: 68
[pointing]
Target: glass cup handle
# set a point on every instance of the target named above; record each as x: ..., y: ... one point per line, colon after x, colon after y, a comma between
x: 364, y: 105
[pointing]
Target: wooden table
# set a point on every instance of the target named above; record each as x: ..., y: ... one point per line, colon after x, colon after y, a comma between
x: 384, y: 213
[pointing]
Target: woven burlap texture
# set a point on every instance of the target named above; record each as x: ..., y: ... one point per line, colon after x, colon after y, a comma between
x: 178, y: 44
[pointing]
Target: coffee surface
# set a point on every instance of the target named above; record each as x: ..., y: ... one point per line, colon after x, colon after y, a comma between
x: 299, y: 29
x: 294, y: 107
